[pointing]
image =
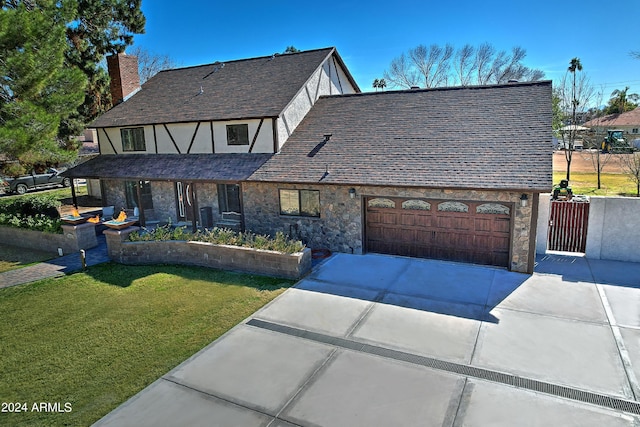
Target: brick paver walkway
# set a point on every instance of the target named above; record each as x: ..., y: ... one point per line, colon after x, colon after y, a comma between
x: 55, y: 267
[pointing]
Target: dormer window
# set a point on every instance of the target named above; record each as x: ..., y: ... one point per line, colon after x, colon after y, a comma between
x: 133, y: 139
x: 237, y: 134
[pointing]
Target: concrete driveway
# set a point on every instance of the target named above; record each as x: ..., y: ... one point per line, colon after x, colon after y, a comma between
x: 391, y: 341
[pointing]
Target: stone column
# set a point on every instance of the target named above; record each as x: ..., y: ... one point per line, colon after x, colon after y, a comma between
x: 114, y: 241
x: 81, y: 236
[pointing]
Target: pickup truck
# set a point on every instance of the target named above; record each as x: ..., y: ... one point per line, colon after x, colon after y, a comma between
x: 22, y: 184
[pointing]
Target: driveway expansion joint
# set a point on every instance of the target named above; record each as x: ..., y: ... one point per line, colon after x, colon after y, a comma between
x: 557, y: 390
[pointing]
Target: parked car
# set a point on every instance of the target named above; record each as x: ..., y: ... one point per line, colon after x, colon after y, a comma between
x: 22, y: 184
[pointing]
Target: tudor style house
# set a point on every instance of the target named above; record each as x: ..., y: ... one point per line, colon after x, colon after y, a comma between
x: 288, y: 143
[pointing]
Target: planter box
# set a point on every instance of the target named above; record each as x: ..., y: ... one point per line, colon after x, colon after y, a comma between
x: 72, y: 239
x: 257, y: 261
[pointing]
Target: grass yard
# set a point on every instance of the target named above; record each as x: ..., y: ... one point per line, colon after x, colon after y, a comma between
x: 96, y: 338
x: 586, y: 183
x: 12, y: 257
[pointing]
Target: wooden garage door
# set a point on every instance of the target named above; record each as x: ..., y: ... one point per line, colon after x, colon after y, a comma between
x: 475, y: 232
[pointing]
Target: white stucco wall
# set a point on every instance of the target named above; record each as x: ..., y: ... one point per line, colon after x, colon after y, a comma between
x: 330, y: 79
x: 613, y: 231
x: 158, y: 138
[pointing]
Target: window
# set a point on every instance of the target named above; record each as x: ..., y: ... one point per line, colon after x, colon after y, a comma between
x: 237, y: 134
x: 229, y: 198
x: 300, y: 202
x: 133, y: 139
x: 634, y: 130
x: 132, y: 194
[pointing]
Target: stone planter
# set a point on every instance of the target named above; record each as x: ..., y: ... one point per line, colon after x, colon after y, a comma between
x: 72, y: 239
x: 256, y: 261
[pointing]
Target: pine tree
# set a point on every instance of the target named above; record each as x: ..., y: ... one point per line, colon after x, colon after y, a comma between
x: 37, y: 90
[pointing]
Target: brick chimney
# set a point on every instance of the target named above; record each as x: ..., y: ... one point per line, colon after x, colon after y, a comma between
x: 123, y: 71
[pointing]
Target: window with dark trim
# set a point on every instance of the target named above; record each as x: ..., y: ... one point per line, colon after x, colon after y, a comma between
x: 237, y: 134
x: 133, y: 139
x: 300, y: 202
x: 131, y: 193
x: 229, y: 198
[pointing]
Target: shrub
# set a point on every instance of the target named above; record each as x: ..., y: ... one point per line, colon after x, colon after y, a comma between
x: 31, y: 205
x: 221, y: 236
x: 38, y: 222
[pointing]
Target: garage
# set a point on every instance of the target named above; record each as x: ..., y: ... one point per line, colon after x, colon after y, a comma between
x: 477, y: 232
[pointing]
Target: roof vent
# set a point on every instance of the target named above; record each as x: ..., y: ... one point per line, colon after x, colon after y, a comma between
x: 512, y: 81
x: 327, y: 137
x: 415, y: 87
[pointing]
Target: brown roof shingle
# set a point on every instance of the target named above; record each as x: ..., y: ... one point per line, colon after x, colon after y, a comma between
x: 484, y: 137
x: 248, y: 88
x: 629, y: 118
x: 180, y: 167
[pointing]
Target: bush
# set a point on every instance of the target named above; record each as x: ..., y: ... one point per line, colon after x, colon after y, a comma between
x: 38, y: 222
x: 31, y: 205
x: 221, y: 236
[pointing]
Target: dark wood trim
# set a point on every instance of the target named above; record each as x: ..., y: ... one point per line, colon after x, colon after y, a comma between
x: 533, y: 232
x: 73, y: 193
x: 274, y: 126
x: 191, y: 191
x: 318, y: 85
x: 171, y: 137
x: 155, y: 138
x: 337, y: 73
x: 241, y: 197
x: 109, y: 139
x: 99, y: 144
x: 193, y: 138
x: 255, y: 136
x: 103, y: 193
x: 213, y: 140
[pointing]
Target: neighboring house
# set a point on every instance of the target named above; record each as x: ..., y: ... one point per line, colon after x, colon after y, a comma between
x: 451, y: 173
x: 629, y: 122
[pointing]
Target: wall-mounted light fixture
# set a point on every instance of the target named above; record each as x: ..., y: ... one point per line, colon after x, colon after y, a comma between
x: 352, y: 193
x: 523, y: 200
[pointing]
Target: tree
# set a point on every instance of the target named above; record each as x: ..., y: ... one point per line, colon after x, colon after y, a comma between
x: 622, y: 101
x: 379, y: 84
x: 575, y: 93
x: 291, y: 49
x: 150, y: 64
x: 436, y: 66
x: 98, y: 28
x: 631, y: 165
x: 593, y: 141
x: 38, y: 90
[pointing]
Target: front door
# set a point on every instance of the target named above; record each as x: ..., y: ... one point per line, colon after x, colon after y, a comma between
x: 185, y: 201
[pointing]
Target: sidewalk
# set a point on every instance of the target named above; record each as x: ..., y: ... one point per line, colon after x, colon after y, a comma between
x: 55, y: 267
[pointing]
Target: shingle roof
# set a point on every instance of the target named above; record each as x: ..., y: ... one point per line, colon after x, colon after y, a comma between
x: 187, y: 167
x: 248, y: 88
x: 630, y: 118
x: 485, y: 137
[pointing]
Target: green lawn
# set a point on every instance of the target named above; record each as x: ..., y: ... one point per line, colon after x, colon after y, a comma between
x: 12, y: 257
x: 586, y: 183
x: 94, y: 339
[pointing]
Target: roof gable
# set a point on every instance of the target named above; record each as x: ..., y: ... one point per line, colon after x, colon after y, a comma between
x: 486, y: 137
x: 247, y: 88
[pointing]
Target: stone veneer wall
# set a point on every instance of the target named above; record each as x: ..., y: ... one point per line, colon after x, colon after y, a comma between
x: 207, y: 194
x: 256, y: 261
x: 340, y: 226
x: 72, y: 239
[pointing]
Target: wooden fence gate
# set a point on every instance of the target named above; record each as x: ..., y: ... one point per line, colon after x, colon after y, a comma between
x: 568, y: 222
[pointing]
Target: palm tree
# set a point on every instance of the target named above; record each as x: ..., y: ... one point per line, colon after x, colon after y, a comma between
x: 574, y: 65
x: 376, y: 84
x: 382, y: 83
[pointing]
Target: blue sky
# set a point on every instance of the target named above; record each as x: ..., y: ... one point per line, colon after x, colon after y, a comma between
x: 368, y: 35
